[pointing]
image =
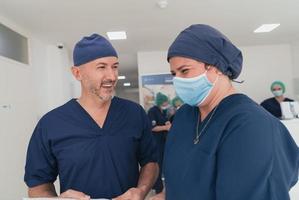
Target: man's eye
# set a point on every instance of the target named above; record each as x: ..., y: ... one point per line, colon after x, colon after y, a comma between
x: 100, y: 67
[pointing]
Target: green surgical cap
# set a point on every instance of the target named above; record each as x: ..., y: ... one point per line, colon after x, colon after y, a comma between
x: 176, y: 99
x: 161, y: 98
x: 281, y: 84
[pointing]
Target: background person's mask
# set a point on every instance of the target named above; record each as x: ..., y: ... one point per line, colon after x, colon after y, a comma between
x: 277, y: 93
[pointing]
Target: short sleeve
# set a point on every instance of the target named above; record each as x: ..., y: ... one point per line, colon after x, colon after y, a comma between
x: 147, y: 148
x: 245, y: 160
x: 41, y: 165
x: 258, y: 159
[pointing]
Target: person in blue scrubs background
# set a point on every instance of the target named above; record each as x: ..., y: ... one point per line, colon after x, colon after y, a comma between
x: 176, y: 104
x: 222, y: 145
x: 272, y: 105
x: 95, y: 143
x: 160, y: 125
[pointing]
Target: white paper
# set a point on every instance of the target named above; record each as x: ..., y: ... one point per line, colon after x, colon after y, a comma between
x: 286, y: 110
x: 295, y: 108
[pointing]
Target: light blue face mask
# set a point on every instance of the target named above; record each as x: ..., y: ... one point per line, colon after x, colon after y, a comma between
x: 277, y: 93
x: 193, y: 91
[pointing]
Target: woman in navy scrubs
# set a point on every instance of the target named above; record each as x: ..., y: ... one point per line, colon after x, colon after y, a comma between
x: 222, y: 145
x: 272, y: 105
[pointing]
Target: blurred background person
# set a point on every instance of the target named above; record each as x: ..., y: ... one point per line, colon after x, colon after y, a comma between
x: 176, y: 103
x: 158, y: 115
x: 272, y: 105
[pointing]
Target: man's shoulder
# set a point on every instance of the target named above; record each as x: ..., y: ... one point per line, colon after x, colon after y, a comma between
x: 63, y: 109
x: 127, y: 103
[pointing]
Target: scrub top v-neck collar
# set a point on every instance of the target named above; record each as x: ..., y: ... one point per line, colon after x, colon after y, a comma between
x: 91, y: 122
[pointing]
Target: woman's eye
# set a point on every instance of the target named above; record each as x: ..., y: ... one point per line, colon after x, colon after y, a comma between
x: 184, y: 71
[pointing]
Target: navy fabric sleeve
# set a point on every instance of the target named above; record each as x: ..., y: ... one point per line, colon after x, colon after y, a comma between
x: 287, y: 159
x: 244, y: 159
x: 147, y: 148
x: 41, y: 166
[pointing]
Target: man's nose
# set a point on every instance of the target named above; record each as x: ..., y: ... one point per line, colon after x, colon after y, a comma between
x: 111, y: 74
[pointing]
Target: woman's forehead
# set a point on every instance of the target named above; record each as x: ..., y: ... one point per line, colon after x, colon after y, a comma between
x: 276, y: 86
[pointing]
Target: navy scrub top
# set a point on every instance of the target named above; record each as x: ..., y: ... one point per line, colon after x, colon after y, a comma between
x: 101, y: 162
x: 273, y: 106
x: 244, y: 154
x: 158, y: 118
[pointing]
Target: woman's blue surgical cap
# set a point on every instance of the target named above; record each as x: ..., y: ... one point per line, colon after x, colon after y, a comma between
x: 206, y: 44
x: 92, y: 47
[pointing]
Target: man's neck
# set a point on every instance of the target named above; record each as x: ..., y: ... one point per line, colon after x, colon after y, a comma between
x: 96, y: 108
x: 93, y: 103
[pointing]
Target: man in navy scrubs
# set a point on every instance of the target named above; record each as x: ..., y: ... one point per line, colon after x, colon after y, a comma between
x: 222, y: 145
x: 94, y: 143
x: 160, y: 127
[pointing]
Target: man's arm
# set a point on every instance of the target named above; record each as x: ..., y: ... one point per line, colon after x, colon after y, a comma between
x: 147, y: 178
x: 48, y: 190
x: 44, y: 190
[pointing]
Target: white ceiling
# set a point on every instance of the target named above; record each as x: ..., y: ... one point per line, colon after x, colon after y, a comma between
x: 148, y: 27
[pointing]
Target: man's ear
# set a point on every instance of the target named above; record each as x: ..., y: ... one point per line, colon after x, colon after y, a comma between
x: 76, y: 73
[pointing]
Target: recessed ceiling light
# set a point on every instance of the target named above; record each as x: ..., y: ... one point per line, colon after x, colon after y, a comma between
x: 117, y: 35
x: 266, y: 28
x: 162, y: 3
x: 127, y: 84
x: 121, y: 77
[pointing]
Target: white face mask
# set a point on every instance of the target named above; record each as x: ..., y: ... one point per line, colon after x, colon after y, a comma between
x: 277, y: 93
x: 164, y: 107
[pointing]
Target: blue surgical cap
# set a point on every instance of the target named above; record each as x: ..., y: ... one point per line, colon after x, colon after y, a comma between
x: 206, y: 44
x: 92, y: 47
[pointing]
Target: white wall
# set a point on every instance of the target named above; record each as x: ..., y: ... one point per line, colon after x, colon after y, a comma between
x: 295, y: 58
x: 295, y: 61
x: 262, y: 65
x: 26, y: 93
x: 16, y: 124
x: 52, y: 76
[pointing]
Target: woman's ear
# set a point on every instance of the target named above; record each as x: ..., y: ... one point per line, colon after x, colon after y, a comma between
x: 215, y: 69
